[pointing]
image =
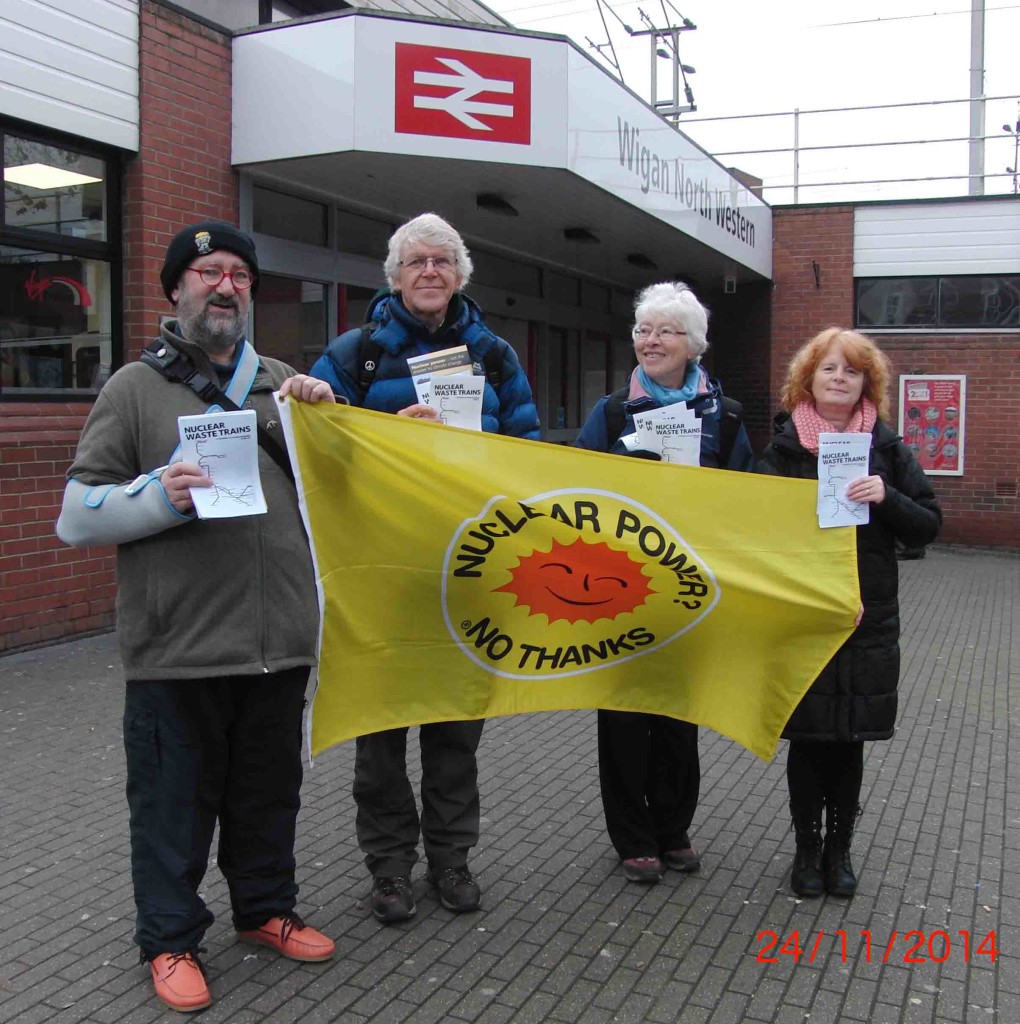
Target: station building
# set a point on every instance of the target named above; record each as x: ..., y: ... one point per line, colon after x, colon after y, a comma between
x: 319, y: 127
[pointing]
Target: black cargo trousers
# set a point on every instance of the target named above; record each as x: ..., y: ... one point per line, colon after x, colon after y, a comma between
x: 224, y: 749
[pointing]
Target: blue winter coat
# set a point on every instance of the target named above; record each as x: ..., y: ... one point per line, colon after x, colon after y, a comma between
x: 508, y: 410
x: 595, y: 432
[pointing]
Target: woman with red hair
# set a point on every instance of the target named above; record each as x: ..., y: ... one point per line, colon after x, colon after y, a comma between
x: 838, y: 382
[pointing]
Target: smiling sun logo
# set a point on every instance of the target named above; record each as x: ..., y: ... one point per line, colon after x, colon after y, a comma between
x: 570, y: 582
x: 584, y: 580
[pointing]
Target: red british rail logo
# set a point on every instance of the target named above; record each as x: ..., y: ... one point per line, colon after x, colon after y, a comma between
x: 462, y: 94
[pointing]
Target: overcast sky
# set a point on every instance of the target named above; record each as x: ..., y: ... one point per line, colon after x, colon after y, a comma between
x: 755, y: 58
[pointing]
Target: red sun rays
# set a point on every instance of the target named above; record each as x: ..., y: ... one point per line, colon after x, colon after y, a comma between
x: 578, y: 582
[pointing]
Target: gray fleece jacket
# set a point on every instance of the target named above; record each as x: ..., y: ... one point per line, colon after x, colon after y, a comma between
x: 196, y: 598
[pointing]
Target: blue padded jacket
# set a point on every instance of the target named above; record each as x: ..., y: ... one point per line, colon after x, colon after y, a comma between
x: 511, y: 410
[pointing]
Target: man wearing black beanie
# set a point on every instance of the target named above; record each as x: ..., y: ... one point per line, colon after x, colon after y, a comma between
x: 213, y: 317
x: 217, y: 621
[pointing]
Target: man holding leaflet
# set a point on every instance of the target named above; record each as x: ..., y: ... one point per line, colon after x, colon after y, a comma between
x: 216, y: 618
x: 423, y: 313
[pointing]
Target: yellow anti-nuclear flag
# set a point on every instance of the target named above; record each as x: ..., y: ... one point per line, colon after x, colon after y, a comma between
x: 466, y: 575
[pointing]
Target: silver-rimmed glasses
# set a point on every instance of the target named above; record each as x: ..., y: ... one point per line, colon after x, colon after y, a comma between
x: 642, y: 332
x: 443, y: 264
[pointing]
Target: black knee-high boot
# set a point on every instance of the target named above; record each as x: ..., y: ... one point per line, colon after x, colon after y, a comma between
x: 840, y: 818
x: 806, y: 875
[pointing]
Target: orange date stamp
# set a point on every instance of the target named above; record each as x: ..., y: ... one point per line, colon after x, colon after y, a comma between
x: 911, y: 947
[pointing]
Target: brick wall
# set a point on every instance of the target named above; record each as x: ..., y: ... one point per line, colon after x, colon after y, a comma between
x: 47, y: 590
x: 981, y: 507
x: 181, y: 174
x: 738, y: 334
x: 802, y: 305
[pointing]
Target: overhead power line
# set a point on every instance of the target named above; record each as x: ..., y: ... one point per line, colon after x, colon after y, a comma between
x: 841, y: 110
x: 909, y: 17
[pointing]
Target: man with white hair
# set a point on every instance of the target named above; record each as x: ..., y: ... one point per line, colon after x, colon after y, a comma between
x: 427, y: 268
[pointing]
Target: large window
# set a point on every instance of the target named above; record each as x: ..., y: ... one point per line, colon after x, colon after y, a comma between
x: 291, y: 320
x: 284, y: 216
x: 579, y: 372
x: 572, y: 336
x: 971, y: 301
x: 59, y: 269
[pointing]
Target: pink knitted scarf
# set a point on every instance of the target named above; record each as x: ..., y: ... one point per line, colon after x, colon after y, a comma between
x: 810, y: 424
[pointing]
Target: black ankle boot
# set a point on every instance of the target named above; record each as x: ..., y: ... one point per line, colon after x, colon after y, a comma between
x: 806, y: 875
x: 838, y: 872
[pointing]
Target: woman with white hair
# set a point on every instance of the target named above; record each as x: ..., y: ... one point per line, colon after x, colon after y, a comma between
x: 649, y: 769
x: 423, y: 311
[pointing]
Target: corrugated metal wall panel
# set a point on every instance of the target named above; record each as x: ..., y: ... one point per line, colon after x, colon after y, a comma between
x: 909, y: 240
x: 72, y: 65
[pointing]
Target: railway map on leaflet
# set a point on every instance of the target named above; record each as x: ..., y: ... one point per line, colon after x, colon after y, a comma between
x: 224, y: 446
x: 842, y: 458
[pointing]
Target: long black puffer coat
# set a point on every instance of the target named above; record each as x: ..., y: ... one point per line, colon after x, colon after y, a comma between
x: 854, y: 697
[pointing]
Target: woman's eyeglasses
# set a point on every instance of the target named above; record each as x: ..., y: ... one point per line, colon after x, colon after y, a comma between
x: 644, y: 332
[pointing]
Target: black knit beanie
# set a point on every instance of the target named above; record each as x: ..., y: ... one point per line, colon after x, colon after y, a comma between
x: 199, y: 240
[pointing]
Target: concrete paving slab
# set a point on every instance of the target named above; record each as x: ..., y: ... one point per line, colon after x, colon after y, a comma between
x: 562, y: 936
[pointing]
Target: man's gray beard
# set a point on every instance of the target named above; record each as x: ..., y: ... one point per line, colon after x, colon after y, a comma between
x: 214, y: 338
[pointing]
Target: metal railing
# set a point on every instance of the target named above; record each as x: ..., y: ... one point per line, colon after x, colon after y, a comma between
x: 918, y: 159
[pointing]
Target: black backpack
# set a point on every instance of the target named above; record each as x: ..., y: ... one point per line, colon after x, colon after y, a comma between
x: 729, y: 420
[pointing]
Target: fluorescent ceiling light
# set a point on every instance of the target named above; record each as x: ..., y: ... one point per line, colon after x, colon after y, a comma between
x: 43, y: 176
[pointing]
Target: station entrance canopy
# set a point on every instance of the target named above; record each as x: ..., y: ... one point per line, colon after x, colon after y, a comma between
x: 400, y: 116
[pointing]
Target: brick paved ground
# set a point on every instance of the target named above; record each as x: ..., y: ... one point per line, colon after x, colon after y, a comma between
x: 562, y: 936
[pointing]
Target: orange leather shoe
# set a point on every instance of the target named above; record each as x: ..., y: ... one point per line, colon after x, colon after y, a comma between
x: 293, y: 938
x: 179, y: 979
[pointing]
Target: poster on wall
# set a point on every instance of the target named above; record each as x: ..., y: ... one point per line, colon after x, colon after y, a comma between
x: 932, y: 420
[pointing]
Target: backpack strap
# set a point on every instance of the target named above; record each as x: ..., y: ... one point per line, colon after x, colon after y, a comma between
x: 492, y: 360
x: 730, y: 418
x: 369, y: 353
x: 616, y: 414
x: 177, y: 366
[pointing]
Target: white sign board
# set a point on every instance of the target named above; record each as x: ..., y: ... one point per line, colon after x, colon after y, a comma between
x: 383, y: 85
x: 621, y: 145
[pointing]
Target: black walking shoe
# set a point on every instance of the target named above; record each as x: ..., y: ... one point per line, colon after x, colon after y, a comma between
x: 458, y: 891
x: 683, y: 857
x: 646, y: 870
x: 392, y: 899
